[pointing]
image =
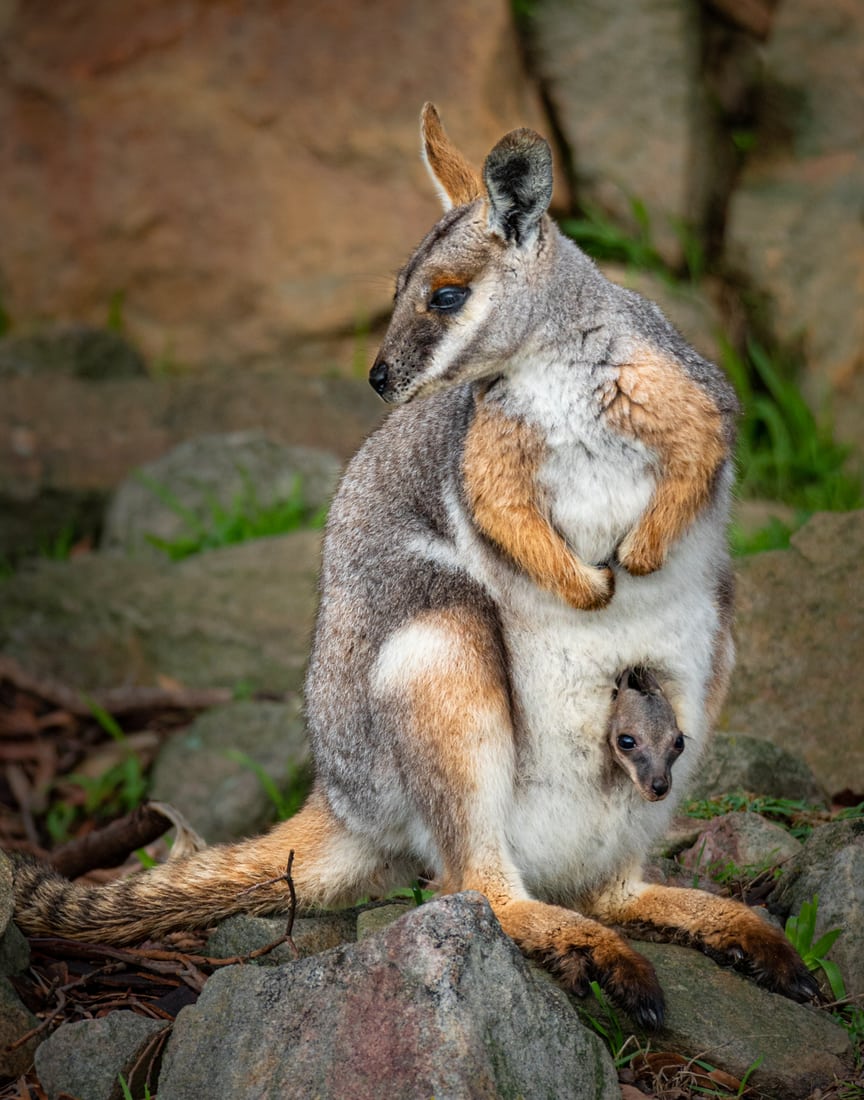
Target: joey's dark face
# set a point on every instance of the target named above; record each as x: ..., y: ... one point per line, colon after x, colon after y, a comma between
x: 648, y: 763
x: 438, y: 335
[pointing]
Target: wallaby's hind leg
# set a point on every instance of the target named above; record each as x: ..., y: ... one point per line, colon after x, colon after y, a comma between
x: 444, y: 676
x: 330, y: 866
x: 727, y: 930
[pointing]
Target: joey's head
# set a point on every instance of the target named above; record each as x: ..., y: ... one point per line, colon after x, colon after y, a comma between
x: 644, y: 737
x: 464, y: 299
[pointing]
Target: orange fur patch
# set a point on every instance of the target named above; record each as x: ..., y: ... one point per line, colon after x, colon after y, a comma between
x: 656, y: 402
x: 500, y: 464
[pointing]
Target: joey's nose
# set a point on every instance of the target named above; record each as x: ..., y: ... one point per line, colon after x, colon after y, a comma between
x: 659, y: 787
x: 379, y: 376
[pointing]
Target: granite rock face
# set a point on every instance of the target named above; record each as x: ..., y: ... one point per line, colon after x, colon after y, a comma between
x: 800, y: 633
x: 440, y: 1003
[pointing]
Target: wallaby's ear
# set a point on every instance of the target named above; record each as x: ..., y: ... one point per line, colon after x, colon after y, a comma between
x: 518, y: 178
x: 455, y: 180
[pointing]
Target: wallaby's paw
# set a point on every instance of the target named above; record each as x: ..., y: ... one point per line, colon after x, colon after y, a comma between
x: 767, y: 956
x: 631, y: 984
x: 640, y: 554
x: 591, y: 588
x: 626, y: 977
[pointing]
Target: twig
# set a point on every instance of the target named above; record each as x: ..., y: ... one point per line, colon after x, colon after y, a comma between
x: 110, y: 846
x: 292, y: 911
x: 60, y: 993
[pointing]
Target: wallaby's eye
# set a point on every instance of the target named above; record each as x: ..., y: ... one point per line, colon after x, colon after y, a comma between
x: 626, y: 743
x: 679, y: 743
x: 447, y: 299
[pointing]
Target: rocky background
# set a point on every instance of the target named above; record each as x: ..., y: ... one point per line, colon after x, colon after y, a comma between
x: 202, y: 210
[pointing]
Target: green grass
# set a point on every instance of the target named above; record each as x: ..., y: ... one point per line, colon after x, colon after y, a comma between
x: 800, y: 931
x: 118, y: 790
x: 244, y: 519
x: 605, y: 240
x: 784, y: 452
x: 287, y: 799
x: 797, y: 816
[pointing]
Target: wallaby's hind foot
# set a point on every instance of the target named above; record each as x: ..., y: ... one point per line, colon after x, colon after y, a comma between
x: 726, y: 930
x: 578, y: 950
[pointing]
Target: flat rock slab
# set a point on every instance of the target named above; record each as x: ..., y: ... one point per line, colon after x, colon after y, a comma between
x: 441, y: 1004
x: 241, y: 615
x: 800, y: 634
x: 722, y: 1018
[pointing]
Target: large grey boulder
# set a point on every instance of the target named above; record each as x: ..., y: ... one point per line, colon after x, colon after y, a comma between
x: 16, y: 1020
x: 240, y: 615
x: 440, y: 1004
x: 726, y: 1020
x: 800, y: 632
x: 831, y: 866
x: 199, y: 771
x: 794, y: 221
x: 643, y: 135
x: 179, y: 493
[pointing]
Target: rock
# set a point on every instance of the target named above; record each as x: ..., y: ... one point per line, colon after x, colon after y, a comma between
x: 84, y: 1059
x: 795, y: 229
x: 15, y: 1021
x: 831, y: 865
x: 735, y: 761
x: 240, y: 615
x: 794, y: 220
x: 800, y: 631
x: 221, y: 796
x: 372, y: 921
x: 740, y: 844
x: 241, y: 934
x: 56, y: 470
x: 721, y: 1018
x: 281, y: 184
x: 439, y: 1004
x: 171, y: 497
x: 77, y: 350
x: 14, y: 951
x: 624, y: 83
x: 14, y: 948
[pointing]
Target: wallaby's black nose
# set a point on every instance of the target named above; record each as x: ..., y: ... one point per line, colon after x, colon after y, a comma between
x: 378, y: 376
x: 659, y: 787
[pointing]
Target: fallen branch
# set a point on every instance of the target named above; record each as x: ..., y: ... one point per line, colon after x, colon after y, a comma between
x: 110, y: 846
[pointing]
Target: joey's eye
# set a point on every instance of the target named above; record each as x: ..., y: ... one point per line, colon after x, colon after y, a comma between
x: 447, y: 299
x: 679, y: 743
x: 626, y: 743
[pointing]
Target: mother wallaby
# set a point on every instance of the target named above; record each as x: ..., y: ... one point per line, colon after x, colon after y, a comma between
x: 547, y: 506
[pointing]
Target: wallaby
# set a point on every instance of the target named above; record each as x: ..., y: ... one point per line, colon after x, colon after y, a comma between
x: 547, y: 506
x: 644, y: 738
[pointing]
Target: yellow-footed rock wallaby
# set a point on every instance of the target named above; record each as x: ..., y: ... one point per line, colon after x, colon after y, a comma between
x: 547, y: 505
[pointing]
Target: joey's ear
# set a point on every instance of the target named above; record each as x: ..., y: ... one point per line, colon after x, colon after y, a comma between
x: 518, y: 178
x: 455, y: 180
